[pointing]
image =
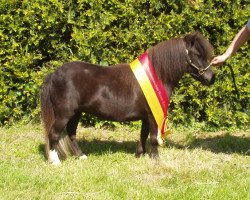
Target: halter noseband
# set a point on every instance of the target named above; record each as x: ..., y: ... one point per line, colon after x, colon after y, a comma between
x: 201, y: 71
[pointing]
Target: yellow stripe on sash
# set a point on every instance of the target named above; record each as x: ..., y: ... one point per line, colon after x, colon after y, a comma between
x: 148, y: 91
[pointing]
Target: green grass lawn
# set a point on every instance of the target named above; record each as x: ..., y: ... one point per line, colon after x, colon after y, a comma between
x: 192, y: 165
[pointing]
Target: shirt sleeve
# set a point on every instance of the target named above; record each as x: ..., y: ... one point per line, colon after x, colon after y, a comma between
x: 248, y: 24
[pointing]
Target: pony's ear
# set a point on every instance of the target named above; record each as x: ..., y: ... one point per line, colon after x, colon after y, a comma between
x: 196, y: 42
x: 190, y: 39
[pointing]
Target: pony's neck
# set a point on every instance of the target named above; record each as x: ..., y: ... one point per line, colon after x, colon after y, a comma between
x: 169, y: 61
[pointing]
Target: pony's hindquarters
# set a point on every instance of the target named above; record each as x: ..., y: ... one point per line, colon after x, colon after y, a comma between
x: 56, y: 144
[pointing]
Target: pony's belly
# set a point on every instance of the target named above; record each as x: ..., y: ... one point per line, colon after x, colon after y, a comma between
x: 113, y: 112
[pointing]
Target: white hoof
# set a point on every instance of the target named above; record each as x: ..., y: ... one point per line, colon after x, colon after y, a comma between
x: 83, y: 157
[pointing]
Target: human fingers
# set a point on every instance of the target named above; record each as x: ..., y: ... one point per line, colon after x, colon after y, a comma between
x: 219, y: 60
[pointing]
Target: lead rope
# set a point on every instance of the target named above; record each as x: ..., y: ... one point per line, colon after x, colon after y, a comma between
x: 241, y: 101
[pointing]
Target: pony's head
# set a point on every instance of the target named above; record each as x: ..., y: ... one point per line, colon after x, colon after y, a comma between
x: 198, y: 57
x: 175, y: 57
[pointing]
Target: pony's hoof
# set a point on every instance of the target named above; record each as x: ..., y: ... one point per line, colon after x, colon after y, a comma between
x: 83, y: 157
x: 55, y: 163
x: 140, y: 154
x: 154, y: 156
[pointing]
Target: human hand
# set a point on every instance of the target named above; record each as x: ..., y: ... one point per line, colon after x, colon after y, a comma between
x: 219, y: 60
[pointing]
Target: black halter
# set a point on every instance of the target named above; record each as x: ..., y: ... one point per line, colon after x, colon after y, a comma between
x: 201, y: 71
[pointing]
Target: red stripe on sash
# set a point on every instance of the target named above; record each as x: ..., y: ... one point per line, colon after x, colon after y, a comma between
x: 157, y: 84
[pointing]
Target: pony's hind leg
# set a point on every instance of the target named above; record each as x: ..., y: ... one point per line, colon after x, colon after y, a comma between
x: 71, y: 131
x: 53, y: 140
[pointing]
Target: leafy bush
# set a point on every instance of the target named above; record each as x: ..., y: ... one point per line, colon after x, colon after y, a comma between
x: 37, y: 36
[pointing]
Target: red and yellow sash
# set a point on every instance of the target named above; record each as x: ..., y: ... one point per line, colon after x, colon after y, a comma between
x: 154, y: 92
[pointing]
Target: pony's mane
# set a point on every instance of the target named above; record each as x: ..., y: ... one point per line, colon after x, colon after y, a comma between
x: 169, y: 57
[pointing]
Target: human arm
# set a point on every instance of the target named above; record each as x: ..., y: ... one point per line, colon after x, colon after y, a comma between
x: 241, y: 37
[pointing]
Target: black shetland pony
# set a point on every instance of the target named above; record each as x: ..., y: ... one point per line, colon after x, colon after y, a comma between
x: 113, y: 93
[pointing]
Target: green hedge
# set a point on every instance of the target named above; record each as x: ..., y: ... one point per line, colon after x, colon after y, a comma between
x: 37, y: 36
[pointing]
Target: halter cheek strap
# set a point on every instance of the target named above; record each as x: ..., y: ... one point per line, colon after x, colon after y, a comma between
x: 201, y: 71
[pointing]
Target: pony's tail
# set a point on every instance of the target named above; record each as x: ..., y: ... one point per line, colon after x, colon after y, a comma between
x: 65, y: 147
x: 47, y: 112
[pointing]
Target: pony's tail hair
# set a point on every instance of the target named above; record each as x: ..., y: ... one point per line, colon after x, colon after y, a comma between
x: 47, y: 112
x: 65, y: 146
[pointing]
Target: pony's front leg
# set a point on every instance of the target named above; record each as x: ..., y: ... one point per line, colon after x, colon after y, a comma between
x: 153, y: 128
x: 141, y: 148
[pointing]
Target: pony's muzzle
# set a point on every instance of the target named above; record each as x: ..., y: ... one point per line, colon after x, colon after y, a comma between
x: 210, y: 80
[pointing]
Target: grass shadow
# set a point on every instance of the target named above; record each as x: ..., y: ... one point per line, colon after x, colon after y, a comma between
x: 99, y: 147
x: 41, y: 148
x: 227, y: 144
